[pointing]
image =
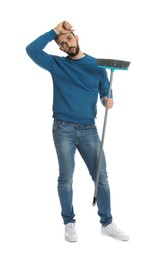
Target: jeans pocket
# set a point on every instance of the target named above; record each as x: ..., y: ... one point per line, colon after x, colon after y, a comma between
x: 57, y: 125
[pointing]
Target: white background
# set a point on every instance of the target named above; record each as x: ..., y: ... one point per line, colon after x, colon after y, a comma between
x: 30, y: 223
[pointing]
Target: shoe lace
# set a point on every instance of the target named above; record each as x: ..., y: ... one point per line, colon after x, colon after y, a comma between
x: 70, y: 225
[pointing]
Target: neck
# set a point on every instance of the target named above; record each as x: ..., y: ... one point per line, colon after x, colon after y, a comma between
x: 78, y: 56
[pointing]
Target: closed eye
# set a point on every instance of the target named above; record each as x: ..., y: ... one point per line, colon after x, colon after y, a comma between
x: 69, y: 38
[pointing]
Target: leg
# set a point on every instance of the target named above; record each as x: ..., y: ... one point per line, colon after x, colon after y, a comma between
x: 65, y: 149
x: 89, y: 147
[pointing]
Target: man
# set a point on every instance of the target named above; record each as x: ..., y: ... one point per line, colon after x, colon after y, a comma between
x: 77, y: 81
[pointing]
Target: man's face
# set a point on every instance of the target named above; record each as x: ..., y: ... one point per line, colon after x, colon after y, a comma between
x: 68, y: 43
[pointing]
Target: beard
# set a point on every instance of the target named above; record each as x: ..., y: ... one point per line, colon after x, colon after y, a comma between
x: 75, y: 51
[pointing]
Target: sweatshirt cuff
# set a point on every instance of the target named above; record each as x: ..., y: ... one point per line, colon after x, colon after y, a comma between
x: 111, y: 96
x: 53, y: 34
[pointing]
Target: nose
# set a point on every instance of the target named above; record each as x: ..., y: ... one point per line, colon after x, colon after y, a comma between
x: 68, y: 45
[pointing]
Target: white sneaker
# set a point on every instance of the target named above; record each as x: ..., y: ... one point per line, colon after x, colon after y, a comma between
x: 113, y: 231
x: 70, y: 232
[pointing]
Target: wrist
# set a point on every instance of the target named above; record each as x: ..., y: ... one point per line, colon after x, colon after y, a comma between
x: 56, y: 30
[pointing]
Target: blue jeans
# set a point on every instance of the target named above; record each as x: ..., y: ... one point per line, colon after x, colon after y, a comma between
x: 67, y: 138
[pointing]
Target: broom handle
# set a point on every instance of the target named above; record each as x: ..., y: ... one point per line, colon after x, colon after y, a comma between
x: 102, y: 143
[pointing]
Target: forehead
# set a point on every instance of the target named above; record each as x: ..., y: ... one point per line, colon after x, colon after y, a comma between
x: 63, y: 37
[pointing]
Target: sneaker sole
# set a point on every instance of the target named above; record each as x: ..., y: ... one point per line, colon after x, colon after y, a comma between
x: 70, y: 240
x: 125, y: 239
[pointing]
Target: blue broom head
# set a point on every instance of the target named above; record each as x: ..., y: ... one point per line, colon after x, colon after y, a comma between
x: 113, y: 64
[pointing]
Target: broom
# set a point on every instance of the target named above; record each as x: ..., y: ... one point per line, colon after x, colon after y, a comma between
x: 112, y: 65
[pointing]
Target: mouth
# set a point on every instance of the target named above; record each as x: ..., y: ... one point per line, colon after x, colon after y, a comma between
x: 71, y: 48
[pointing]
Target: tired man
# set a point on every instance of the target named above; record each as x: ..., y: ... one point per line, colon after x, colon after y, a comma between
x: 77, y: 83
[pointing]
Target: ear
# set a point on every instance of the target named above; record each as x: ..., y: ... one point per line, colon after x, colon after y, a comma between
x: 77, y: 38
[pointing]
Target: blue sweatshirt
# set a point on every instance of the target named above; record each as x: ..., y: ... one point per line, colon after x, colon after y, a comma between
x: 76, y: 83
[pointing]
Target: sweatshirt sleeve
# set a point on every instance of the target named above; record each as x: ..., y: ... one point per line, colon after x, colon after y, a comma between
x: 104, y: 86
x: 36, y: 53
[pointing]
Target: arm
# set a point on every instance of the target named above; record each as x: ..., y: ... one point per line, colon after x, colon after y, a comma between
x: 103, y: 90
x: 35, y: 48
x: 36, y: 53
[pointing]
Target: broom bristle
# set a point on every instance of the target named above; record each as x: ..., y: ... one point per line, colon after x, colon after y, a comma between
x: 115, y: 64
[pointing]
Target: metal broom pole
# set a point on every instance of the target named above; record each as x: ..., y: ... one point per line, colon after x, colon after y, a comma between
x: 102, y: 142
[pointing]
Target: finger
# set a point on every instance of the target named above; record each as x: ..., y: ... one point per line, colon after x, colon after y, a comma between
x: 109, y: 103
x: 67, y: 25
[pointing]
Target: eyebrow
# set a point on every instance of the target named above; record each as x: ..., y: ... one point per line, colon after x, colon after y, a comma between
x: 69, y: 35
